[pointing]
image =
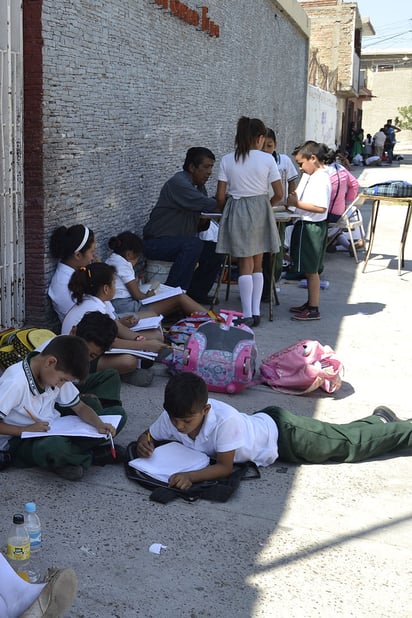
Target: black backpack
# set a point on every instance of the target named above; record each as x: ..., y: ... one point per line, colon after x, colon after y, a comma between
x: 219, y: 490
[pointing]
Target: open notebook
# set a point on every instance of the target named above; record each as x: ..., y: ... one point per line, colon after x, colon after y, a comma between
x: 162, y: 291
x: 170, y: 458
x: 73, y: 425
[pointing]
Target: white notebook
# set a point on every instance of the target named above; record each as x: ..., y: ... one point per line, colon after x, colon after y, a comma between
x: 162, y: 292
x: 169, y: 459
x: 73, y: 425
x: 147, y: 323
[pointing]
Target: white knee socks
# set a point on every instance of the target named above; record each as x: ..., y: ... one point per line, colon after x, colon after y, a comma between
x: 245, y: 283
x: 257, y: 292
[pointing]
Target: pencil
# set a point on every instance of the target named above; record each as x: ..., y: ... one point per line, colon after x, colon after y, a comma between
x: 36, y: 420
x: 148, y: 437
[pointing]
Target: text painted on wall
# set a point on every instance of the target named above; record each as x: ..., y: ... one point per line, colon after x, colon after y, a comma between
x: 200, y: 20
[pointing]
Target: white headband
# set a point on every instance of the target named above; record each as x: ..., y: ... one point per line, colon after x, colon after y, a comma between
x: 84, y: 241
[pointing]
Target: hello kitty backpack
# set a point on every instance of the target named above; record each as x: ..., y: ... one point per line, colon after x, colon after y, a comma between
x: 222, y: 354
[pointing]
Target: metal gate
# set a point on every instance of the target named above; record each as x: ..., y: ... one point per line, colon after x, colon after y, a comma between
x: 11, y: 170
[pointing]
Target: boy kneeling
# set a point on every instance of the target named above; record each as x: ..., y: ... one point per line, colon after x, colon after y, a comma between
x: 229, y: 436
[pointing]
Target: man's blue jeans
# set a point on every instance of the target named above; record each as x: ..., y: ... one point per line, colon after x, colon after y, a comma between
x: 183, y: 251
x: 186, y: 252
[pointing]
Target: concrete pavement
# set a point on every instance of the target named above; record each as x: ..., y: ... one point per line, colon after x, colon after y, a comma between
x: 309, y: 541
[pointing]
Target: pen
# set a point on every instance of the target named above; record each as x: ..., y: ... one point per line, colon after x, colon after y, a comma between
x: 112, y: 449
x: 36, y: 420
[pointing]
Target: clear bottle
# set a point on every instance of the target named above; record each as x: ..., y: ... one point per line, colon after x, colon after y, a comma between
x: 18, y: 547
x: 33, y: 525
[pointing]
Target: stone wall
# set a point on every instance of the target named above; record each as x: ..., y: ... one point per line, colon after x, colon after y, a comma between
x: 129, y: 86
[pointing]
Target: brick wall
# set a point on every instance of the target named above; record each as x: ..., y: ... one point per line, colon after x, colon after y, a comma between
x: 128, y: 87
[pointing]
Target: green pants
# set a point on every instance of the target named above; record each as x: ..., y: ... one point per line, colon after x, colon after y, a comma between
x: 307, y: 440
x: 101, y: 391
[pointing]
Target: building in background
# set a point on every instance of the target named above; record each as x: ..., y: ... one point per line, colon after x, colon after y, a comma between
x: 388, y: 74
x: 336, y: 91
x: 115, y: 92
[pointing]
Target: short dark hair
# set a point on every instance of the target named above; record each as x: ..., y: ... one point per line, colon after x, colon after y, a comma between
x: 126, y: 241
x: 71, y: 353
x: 184, y: 391
x: 311, y: 148
x: 196, y: 155
x: 98, y: 328
x: 271, y: 134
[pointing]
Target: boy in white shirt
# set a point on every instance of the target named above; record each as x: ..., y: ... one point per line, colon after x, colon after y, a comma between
x: 229, y: 436
x: 29, y: 391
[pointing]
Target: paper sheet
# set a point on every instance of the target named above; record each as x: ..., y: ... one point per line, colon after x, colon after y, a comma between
x: 139, y: 353
x: 73, y: 426
x: 147, y: 323
x: 170, y: 458
x: 162, y: 292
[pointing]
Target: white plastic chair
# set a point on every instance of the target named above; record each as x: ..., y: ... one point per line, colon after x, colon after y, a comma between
x: 349, y: 221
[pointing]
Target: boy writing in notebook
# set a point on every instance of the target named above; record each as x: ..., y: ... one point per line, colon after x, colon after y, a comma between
x: 29, y: 391
x: 229, y: 436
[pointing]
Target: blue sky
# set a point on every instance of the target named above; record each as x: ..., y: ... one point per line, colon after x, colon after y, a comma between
x: 392, y: 22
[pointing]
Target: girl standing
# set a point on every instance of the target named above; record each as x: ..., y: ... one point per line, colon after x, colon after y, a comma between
x: 127, y: 248
x: 247, y: 227
x: 74, y: 247
x: 309, y: 237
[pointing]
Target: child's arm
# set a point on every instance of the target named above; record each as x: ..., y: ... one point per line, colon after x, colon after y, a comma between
x: 293, y: 201
x: 88, y: 415
x: 16, y: 430
x: 221, y: 194
x: 136, y: 293
x: 223, y: 467
x: 277, y: 192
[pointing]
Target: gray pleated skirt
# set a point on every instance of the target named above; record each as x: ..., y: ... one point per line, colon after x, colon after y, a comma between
x: 247, y: 227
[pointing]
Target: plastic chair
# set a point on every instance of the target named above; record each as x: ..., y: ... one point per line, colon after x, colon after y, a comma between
x: 349, y: 221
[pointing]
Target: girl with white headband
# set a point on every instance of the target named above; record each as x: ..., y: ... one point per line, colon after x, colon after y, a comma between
x: 74, y: 247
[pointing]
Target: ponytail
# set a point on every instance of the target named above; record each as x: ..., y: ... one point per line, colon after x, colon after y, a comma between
x: 90, y: 280
x: 248, y: 131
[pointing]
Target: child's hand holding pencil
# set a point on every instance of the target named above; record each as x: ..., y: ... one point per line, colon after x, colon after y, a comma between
x: 37, y: 425
x: 144, y: 446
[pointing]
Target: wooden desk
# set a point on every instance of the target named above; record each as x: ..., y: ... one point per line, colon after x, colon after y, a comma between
x: 403, y: 201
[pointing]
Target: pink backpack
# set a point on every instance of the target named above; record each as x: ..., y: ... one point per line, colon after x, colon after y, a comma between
x: 223, y: 355
x: 303, y: 367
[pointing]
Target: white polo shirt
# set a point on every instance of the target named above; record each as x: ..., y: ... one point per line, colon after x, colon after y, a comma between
x: 124, y: 274
x: 254, y: 437
x: 59, y: 292
x: 19, y: 390
x: 89, y: 303
x: 250, y: 176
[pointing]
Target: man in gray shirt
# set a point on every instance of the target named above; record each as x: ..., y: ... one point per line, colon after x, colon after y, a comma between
x: 171, y: 232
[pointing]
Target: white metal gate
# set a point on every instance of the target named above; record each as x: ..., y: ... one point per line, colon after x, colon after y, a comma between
x: 11, y: 169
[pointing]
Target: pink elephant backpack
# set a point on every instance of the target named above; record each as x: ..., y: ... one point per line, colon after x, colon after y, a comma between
x: 303, y: 367
x: 222, y: 354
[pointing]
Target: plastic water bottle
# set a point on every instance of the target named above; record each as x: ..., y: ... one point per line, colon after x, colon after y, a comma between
x: 33, y: 526
x: 18, y: 547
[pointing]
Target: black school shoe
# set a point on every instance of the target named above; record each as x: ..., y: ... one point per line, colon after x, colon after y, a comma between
x: 387, y: 415
x: 5, y: 459
x: 102, y: 455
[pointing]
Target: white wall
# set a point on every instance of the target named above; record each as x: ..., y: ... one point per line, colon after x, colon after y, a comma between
x: 321, y: 116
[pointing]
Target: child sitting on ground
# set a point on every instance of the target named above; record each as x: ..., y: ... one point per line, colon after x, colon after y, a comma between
x: 93, y: 288
x: 29, y: 391
x: 229, y: 436
x: 127, y: 248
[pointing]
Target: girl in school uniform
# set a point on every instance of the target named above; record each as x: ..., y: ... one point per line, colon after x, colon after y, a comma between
x: 310, y: 233
x: 92, y: 288
x: 127, y: 248
x: 73, y: 247
x: 247, y: 227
